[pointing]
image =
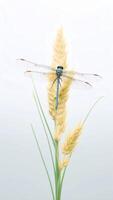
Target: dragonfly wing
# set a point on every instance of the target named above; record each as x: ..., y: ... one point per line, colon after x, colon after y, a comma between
x: 84, y: 76
x: 88, y: 76
x: 38, y: 73
x: 80, y: 84
x: 37, y: 65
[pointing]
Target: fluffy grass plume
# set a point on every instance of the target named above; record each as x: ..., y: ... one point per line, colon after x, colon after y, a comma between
x: 71, y: 141
x: 63, y: 163
x: 59, y: 58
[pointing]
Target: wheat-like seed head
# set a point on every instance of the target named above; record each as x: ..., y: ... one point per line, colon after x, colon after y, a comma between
x: 59, y: 58
x: 60, y: 116
x: 60, y: 124
x: 59, y: 51
x: 71, y: 141
x: 63, y: 163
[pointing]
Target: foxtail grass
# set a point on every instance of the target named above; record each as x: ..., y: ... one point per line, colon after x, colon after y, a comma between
x: 60, y: 154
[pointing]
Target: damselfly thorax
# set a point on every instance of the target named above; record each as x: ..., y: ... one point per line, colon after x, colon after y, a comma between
x: 59, y: 71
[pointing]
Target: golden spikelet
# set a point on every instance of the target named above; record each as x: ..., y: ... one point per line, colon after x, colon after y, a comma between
x: 60, y: 116
x: 63, y: 163
x: 59, y: 58
x: 52, y: 100
x: 59, y: 51
x: 60, y: 125
x: 71, y: 141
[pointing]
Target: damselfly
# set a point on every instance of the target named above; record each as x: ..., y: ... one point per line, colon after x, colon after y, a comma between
x: 84, y: 80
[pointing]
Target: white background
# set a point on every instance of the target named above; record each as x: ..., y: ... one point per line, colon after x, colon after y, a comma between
x: 28, y: 29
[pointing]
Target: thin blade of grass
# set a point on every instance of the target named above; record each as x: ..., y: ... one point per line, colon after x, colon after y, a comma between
x: 42, y: 112
x: 49, y: 145
x: 90, y: 110
x: 43, y: 161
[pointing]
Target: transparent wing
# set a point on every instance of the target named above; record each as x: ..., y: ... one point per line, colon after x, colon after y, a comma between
x: 80, y: 84
x: 37, y: 65
x: 38, y: 73
x: 84, y: 76
x: 41, y: 77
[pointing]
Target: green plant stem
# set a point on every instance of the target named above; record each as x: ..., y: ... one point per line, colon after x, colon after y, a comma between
x: 45, y: 132
x: 62, y: 179
x: 43, y: 161
x: 59, y: 186
x: 56, y: 166
x: 57, y: 181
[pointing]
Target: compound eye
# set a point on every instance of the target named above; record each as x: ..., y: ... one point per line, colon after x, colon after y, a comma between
x: 60, y: 67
